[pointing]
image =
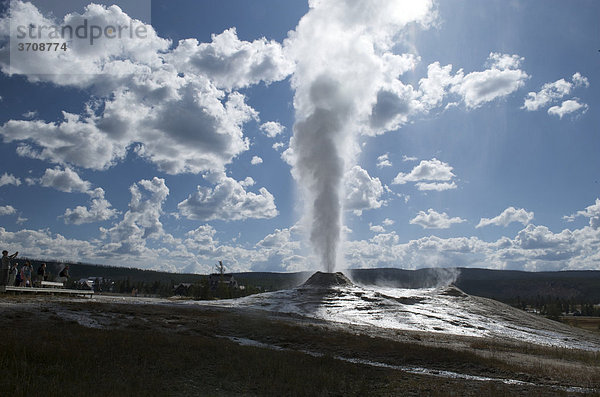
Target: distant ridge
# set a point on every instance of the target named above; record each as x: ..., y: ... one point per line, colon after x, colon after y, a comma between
x: 502, y: 285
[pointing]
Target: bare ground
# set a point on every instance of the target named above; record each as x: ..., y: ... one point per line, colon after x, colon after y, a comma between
x: 171, y: 349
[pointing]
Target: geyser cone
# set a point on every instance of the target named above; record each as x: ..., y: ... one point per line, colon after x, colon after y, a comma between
x: 326, y: 280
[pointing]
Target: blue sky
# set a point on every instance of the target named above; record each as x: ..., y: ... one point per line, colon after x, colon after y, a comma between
x: 287, y: 136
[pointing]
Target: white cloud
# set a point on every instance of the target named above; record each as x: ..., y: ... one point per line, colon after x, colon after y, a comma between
x: 553, y: 92
x: 549, y: 93
x: 231, y: 63
x: 434, y: 220
x: 568, y: 107
x: 592, y: 212
x: 272, y: 128
x: 83, y: 64
x: 384, y: 161
x: 580, y: 81
x: 278, y: 145
x: 256, y: 160
x: 7, y: 210
x: 30, y: 114
x: 427, y: 170
x: 140, y: 223
x: 248, y: 181
x: 376, y: 228
x: 393, y: 107
x: 9, y: 179
x: 193, y: 129
x: 42, y: 244
x: 433, y: 88
x: 228, y: 200
x: 65, y: 180
x: 100, y: 210
x: 175, y: 108
x: 501, y: 79
x: 362, y: 191
x: 508, y: 216
x: 535, y: 248
x: 408, y: 158
x: 439, y: 187
x: 388, y: 222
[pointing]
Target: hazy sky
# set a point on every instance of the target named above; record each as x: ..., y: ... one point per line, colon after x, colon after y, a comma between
x: 451, y: 133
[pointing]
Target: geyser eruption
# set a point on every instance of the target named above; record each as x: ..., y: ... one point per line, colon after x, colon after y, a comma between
x: 342, y: 50
x: 320, y: 165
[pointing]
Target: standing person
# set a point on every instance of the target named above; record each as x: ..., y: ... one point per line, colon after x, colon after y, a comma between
x: 12, y: 274
x: 26, y: 274
x: 18, y: 276
x: 63, y: 276
x: 41, y: 273
x: 5, y: 268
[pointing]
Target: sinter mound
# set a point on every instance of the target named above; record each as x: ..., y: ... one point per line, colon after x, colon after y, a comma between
x: 325, y: 280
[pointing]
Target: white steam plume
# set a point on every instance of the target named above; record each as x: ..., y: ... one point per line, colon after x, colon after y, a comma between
x: 343, y: 59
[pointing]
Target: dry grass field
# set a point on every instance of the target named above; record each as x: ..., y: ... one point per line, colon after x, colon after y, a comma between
x: 62, y: 347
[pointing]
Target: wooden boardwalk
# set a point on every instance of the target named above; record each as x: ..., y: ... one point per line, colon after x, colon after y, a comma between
x: 36, y: 290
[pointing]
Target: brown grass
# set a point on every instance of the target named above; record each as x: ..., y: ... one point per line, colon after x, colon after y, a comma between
x: 170, y: 351
x: 587, y: 323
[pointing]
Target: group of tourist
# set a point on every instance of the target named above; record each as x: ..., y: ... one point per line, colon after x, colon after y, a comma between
x: 11, y: 275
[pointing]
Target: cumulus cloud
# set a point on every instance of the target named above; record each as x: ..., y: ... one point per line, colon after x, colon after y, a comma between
x: 177, y: 108
x: 231, y: 63
x: 376, y: 228
x: 65, y: 180
x: 580, y: 81
x: 141, y: 222
x: 194, y: 130
x: 272, y: 128
x: 408, y: 158
x: 384, y: 161
x: 502, y: 78
x: 535, y: 248
x: 43, y: 244
x: 9, y: 179
x: 548, y: 93
x: 7, y: 210
x: 427, y: 170
x: 434, y: 220
x: 556, y: 91
x: 508, y: 216
x: 228, y: 200
x: 568, y: 107
x: 433, y: 88
x: 592, y: 212
x: 256, y: 160
x: 99, y: 210
x: 83, y: 63
x: 69, y: 181
x: 362, y: 191
x: 278, y: 145
x: 30, y: 114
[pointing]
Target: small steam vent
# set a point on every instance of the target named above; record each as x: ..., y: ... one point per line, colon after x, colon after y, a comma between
x: 327, y: 280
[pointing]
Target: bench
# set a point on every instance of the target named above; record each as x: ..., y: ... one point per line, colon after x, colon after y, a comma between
x: 51, y: 284
x: 46, y: 290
